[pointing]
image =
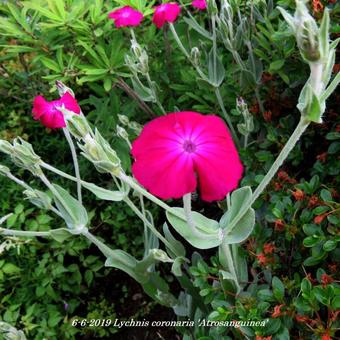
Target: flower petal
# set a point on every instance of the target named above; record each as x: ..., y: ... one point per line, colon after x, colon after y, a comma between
x: 69, y: 102
x: 40, y: 106
x: 217, y: 162
x: 165, y: 174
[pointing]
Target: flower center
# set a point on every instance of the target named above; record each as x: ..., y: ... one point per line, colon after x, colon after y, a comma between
x: 189, y: 146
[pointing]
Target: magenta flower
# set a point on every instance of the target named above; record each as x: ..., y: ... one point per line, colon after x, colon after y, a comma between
x: 179, y: 150
x: 48, y: 113
x: 199, y: 4
x: 165, y: 13
x: 126, y: 16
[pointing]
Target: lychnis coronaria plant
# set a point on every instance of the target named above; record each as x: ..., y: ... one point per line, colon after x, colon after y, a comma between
x: 175, y: 155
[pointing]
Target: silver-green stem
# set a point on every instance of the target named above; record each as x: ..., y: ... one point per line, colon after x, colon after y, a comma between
x: 226, y: 116
x: 317, y: 84
x: 128, y: 180
x: 230, y: 262
x: 27, y: 187
x: 18, y: 181
x: 331, y: 87
x: 154, y: 92
x: 294, y: 138
x: 21, y: 233
x: 149, y: 225
x: 103, y: 247
x: 75, y: 162
x: 146, y: 240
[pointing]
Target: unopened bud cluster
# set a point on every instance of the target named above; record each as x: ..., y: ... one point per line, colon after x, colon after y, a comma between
x: 195, y: 55
x: 134, y: 126
x: 306, y: 31
x: 139, y: 61
x: 22, y: 155
x: 78, y: 126
x: 98, y: 151
x: 248, y: 125
x: 62, y: 88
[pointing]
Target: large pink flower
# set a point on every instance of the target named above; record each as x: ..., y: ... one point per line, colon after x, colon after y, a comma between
x: 199, y: 4
x: 48, y: 113
x: 126, y: 16
x: 176, y: 151
x: 165, y: 13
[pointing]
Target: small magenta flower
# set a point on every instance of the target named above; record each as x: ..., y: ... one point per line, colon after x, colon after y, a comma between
x: 48, y: 112
x: 177, y: 152
x: 199, y: 4
x: 165, y: 13
x: 126, y: 17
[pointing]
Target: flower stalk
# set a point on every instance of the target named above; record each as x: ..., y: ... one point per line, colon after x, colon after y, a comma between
x: 75, y: 162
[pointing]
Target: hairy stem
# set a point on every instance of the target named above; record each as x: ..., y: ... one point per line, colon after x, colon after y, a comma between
x: 149, y: 225
x: 230, y: 262
x: 294, y: 138
x: 75, y: 163
x: 22, y: 233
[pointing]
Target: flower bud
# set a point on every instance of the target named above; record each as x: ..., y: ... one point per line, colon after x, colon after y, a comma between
x: 160, y: 255
x: 123, y: 119
x: 6, y: 147
x: 98, y: 151
x: 136, y: 48
x: 143, y: 64
x: 136, y: 127
x: 122, y: 133
x: 195, y: 55
x: 77, y: 125
x: 39, y: 199
x: 248, y: 125
x: 307, y: 33
x: 24, y: 156
x: 4, y: 170
x: 62, y: 89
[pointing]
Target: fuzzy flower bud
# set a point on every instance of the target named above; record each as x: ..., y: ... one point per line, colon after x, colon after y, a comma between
x: 5, y: 147
x: 62, y: 89
x: 136, y: 127
x: 248, y: 125
x: 77, y: 125
x: 22, y: 155
x: 307, y: 33
x: 123, y: 119
x: 122, y: 133
x: 141, y: 57
x: 98, y: 151
x: 195, y: 56
x: 4, y: 170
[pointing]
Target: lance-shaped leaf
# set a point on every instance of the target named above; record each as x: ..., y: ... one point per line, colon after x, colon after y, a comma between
x: 206, y: 235
x: 104, y: 194
x: 74, y: 214
x: 237, y: 227
x: 177, y: 245
x: 216, y: 71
